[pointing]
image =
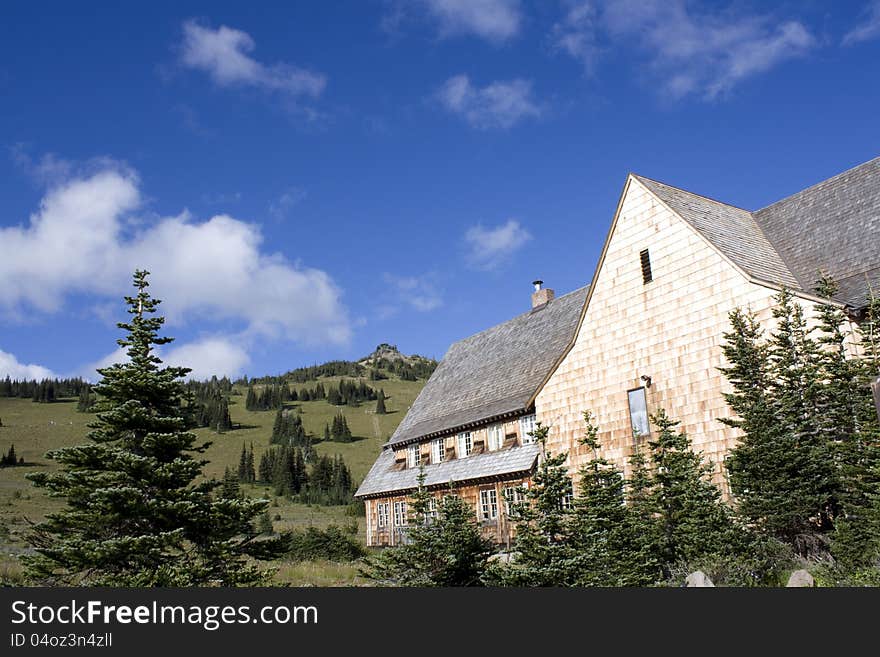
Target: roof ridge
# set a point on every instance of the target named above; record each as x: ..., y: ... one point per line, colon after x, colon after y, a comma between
x: 515, y: 317
x: 687, y: 191
x: 820, y: 183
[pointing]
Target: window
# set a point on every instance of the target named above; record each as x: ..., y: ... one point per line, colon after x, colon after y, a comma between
x: 513, y: 495
x: 382, y: 513
x: 412, y: 456
x: 438, y: 450
x: 432, y: 509
x: 496, y: 436
x: 488, y: 504
x: 638, y: 413
x: 527, y: 426
x: 465, y: 444
x: 567, y: 500
x: 645, y: 258
x: 400, y: 514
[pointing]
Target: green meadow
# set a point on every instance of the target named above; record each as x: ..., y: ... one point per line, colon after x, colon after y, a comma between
x: 35, y: 428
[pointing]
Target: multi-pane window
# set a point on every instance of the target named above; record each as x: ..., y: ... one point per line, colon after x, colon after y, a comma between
x: 513, y: 495
x: 412, y: 456
x: 382, y: 514
x: 488, y: 504
x: 638, y: 412
x: 400, y: 519
x: 527, y: 426
x: 432, y: 508
x: 465, y: 443
x: 496, y: 436
x: 438, y: 450
x: 567, y: 500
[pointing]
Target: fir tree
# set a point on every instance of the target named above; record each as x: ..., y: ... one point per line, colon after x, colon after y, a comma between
x: 230, y: 488
x: 250, y: 471
x: 782, y: 472
x: 243, y: 465
x: 691, y: 520
x: 545, y: 554
x: 856, y: 537
x: 448, y: 550
x: 137, y: 512
x: 380, y: 403
x: 611, y: 540
x: 264, y: 524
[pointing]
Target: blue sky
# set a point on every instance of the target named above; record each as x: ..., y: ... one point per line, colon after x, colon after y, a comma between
x: 308, y: 181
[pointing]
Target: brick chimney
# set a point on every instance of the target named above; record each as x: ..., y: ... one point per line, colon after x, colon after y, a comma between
x: 541, y: 295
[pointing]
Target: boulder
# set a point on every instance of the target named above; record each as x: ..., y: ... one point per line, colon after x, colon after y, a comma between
x: 698, y: 579
x: 800, y: 578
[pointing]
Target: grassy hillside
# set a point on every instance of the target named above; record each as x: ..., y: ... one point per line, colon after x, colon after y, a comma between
x: 36, y: 428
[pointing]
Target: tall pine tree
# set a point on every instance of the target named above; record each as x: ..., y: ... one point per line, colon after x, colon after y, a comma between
x: 137, y: 510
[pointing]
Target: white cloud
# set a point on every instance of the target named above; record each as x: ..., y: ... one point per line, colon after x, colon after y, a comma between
x: 500, y: 104
x: 494, y: 20
x: 690, y: 52
x: 576, y: 34
x: 79, y: 241
x: 291, y: 197
x: 220, y: 356
x: 420, y: 293
x: 868, y: 29
x: 222, y: 53
x: 489, y: 248
x: 209, y: 357
x: 9, y: 366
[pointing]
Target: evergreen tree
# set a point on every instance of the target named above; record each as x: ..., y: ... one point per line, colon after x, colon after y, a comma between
x: 545, y: 553
x: 856, y: 537
x: 611, y: 540
x: 137, y: 512
x: 380, y: 403
x: 243, y: 465
x: 9, y: 458
x: 264, y: 524
x: 448, y: 550
x: 691, y: 520
x: 250, y: 472
x: 230, y: 488
x: 782, y: 471
x: 86, y: 399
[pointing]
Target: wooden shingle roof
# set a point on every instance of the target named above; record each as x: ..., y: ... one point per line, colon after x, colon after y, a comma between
x: 833, y: 226
x: 493, y: 373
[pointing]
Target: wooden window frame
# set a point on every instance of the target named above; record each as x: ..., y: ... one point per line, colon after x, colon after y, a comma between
x: 400, y: 517
x: 466, y: 439
x: 410, y: 451
x: 496, y: 442
x: 644, y: 391
x: 438, y: 450
x: 488, y: 504
x: 382, y: 514
x: 524, y: 436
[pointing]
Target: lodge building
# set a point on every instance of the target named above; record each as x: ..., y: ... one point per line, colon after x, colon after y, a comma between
x: 645, y: 334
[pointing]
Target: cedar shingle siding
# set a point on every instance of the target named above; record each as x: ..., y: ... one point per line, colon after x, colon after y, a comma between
x: 585, y: 349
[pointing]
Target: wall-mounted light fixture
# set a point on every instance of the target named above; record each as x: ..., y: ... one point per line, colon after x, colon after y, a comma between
x: 646, y: 379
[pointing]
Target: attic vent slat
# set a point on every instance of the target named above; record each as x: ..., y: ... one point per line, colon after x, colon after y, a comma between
x: 645, y: 257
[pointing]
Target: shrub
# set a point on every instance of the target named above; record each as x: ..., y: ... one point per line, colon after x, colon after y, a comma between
x: 333, y: 544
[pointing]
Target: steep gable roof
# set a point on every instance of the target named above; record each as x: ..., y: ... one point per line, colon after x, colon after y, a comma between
x: 731, y: 230
x: 833, y: 226
x: 495, y: 372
